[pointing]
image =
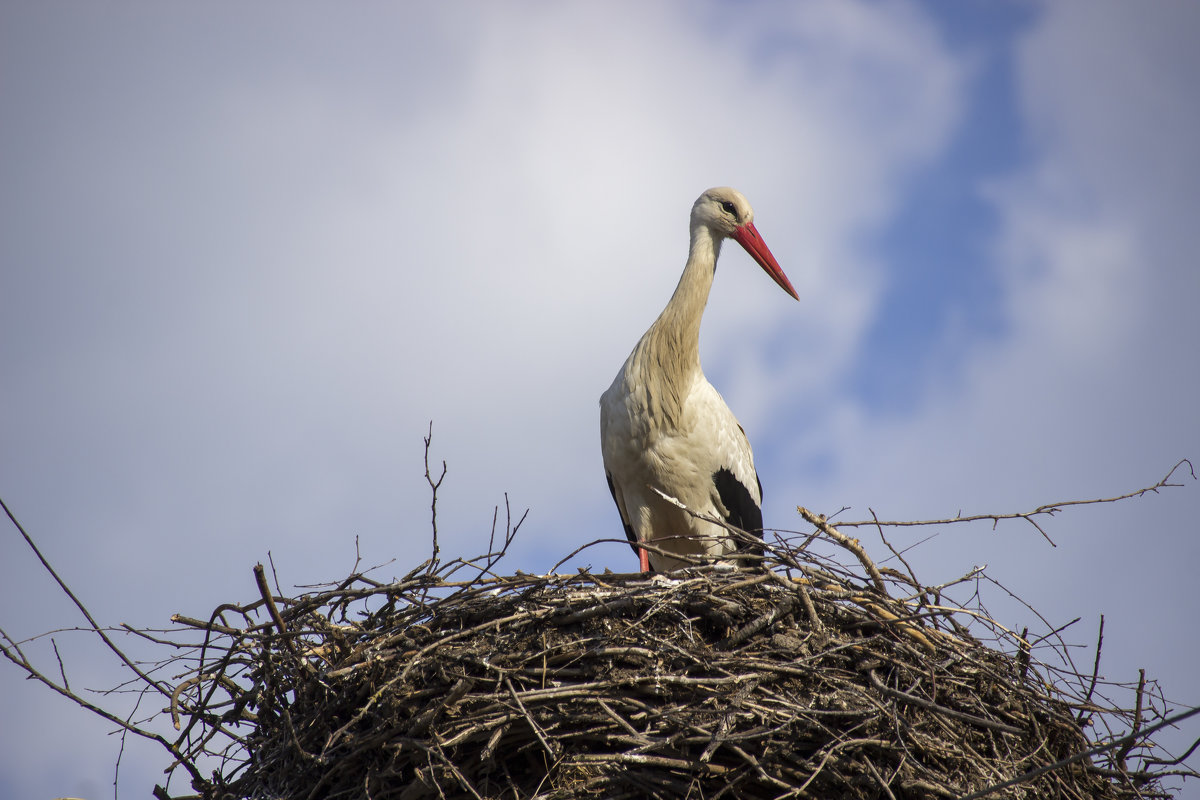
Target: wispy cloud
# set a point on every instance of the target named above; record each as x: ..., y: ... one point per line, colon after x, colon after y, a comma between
x: 243, y: 272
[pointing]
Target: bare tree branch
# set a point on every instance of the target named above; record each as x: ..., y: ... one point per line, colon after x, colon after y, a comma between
x: 512, y: 664
x: 1048, y: 509
x: 1095, y: 751
x: 434, y: 485
x: 83, y: 610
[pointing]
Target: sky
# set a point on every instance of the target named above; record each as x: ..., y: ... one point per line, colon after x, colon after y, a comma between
x: 248, y: 254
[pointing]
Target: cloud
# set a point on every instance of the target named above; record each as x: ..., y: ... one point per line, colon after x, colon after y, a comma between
x: 248, y: 275
x: 1087, y: 389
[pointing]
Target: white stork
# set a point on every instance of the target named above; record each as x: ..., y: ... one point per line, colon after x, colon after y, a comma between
x: 667, y: 436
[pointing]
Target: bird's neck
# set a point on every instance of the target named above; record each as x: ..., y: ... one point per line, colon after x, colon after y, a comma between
x: 679, y: 323
x: 672, y: 345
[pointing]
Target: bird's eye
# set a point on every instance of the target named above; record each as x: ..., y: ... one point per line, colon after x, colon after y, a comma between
x: 729, y: 208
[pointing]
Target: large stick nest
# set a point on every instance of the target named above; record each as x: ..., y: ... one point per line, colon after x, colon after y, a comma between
x: 794, y: 678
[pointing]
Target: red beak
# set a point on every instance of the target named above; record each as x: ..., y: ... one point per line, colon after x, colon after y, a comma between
x: 747, y: 236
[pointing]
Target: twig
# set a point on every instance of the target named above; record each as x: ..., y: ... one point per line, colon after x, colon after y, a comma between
x: 1086, y: 754
x: 940, y: 709
x: 1084, y: 713
x: 1174, y: 761
x: 1122, y: 753
x: 433, y: 487
x: 1024, y: 653
x: 62, y: 671
x: 260, y: 578
x: 758, y: 624
x: 162, y: 689
x: 1048, y: 509
x: 552, y: 751
x: 704, y: 682
x: 850, y: 544
x: 911, y: 575
x: 13, y: 653
x: 879, y: 778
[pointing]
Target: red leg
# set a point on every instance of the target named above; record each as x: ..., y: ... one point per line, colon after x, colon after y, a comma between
x: 644, y: 558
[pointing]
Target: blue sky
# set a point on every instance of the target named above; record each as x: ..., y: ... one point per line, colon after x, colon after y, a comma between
x: 945, y: 223
x: 247, y: 254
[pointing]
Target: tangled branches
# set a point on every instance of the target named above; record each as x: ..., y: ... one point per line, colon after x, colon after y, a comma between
x: 800, y: 676
x: 796, y: 680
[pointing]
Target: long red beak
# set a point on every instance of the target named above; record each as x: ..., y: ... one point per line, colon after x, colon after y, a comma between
x: 747, y: 236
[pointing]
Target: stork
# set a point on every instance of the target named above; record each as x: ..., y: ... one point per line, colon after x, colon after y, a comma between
x: 667, y: 437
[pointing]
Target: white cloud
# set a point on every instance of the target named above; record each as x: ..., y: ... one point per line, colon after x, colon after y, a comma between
x: 269, y: 291
x: 1090, y: 390
x: 276, y: 273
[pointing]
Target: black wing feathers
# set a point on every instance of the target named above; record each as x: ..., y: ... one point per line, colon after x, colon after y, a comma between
x: 743, y: 511
x: 628, y: 529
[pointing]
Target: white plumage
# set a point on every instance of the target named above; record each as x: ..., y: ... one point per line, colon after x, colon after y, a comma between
x: 667, y: 436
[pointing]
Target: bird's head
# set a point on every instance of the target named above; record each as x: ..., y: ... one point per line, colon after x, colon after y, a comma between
x: 727, y: 214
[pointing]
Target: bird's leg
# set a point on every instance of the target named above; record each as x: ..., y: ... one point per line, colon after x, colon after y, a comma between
x: 644, y: 558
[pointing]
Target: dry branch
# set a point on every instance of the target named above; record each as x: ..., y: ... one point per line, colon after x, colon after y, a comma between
x: 711, y: 681
x: 1046, y: 509
x: 804, y: 676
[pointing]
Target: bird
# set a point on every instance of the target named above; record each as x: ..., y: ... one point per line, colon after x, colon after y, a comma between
x: 670, y: 443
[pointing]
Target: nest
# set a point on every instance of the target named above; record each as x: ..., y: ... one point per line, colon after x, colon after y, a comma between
x: 793, y: 678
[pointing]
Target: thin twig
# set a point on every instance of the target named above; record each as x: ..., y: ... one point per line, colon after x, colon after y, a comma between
x: 940, y: 709
x: 1084, y: 712
x: 434, y: 485
x: 1048, y: 509
x: 1086, y: 754
x: 850, y: 544
x: 162, y: 689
